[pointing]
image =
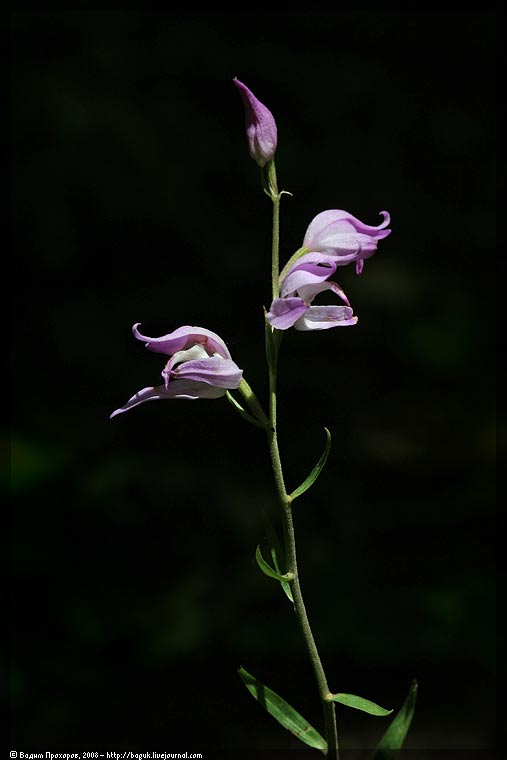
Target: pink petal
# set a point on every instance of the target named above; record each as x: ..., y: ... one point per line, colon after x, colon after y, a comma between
x: 215, y: 370
x: 180, y: 389
x: 284, y: 312
x: 312, y: 268
x: 183, y: 338
x: 317, y: 229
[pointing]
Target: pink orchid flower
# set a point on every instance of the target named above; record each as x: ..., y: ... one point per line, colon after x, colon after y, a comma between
x: 305, y: 280
x: 199, y: 366
x: 343, y: 237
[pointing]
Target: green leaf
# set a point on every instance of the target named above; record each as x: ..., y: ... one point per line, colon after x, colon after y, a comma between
x: 267, y: 569
x: 283, y: 712
x: 393, y: 739
x: 275, y: 546
x: 273, y: 339
x: 277, y: 553
x: 243, y: 412
x: 358, y: 703
x: 312, y: 477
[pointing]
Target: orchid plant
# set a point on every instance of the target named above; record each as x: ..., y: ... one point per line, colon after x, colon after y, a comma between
x: 199, y: 365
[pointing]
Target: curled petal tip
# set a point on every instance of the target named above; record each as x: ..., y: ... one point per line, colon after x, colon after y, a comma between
x: 135, y: 331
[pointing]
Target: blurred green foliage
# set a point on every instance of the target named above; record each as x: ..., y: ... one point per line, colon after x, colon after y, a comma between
x: 134, y: 199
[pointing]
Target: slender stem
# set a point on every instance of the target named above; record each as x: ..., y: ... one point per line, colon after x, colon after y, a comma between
x: 272, y: 345
x: 275, y: 265
x: 275, y: 244
x: 292, y: 567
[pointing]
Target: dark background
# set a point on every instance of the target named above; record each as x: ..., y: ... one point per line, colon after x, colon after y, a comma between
x: 134, y: 199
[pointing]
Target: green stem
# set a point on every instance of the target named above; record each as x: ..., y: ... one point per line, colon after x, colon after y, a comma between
x: 275, y: 245
x: 292, y: 567
x: 272, y: 346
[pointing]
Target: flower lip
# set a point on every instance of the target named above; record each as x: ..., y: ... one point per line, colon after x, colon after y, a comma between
x: 196, y: 352
x: 326, y: 317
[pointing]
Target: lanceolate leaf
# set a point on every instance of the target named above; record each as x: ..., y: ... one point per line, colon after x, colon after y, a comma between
x: 393, y: 739
x: 267, y: 569
x: 273, y: 341
x: 358, y: 703
x: 283, y: 712
x: 312, y: 477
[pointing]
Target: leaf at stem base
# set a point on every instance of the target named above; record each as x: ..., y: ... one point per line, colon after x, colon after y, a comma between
x: 286, y: 715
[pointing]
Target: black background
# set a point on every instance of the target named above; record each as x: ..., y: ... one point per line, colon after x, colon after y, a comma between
x: 135, y: 199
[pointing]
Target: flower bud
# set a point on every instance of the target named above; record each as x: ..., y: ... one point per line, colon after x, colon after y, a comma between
x: 261, y: 129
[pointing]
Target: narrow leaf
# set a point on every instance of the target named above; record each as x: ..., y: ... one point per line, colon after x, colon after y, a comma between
x: 392, y: 741
x: 276, y: 550
x: 312, y: 477
x: 283, y: 712
x: 273, y: 339
x: 288, y: 591
x: 277, y: 553
x: 242, y: 411
x: 267, y: 569
x: 358, y: 703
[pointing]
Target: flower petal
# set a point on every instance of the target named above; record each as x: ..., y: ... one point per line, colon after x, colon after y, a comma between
x: 308, y: 292
x: 349, y: 245
x: 318, y: 230
x: 183, y: 338
x: 346, y: 245
x: 369, y: 229
x: 325, y: 317
x: 310, y: 269
x: 214, y: 370
x: 284, y: 312
x: 181, y: 389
